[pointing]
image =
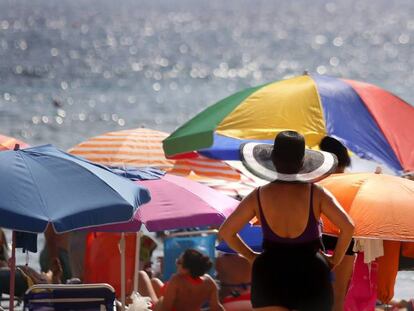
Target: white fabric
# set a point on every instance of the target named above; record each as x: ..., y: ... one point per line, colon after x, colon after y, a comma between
x: 140, y: 303
x: 372, y: 248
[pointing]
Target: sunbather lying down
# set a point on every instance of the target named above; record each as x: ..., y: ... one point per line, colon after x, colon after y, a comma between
x: 26, y: 277
x: 187, y: 290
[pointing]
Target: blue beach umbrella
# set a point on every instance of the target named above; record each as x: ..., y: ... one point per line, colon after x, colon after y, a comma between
x: 251, y: 235
x: 44, y: 185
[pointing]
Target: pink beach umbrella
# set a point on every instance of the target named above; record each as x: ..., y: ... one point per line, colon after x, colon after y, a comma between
x: 176, y: 202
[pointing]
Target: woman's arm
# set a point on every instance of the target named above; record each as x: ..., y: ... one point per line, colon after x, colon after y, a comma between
x: 214, y: 302
x: 330, y: 207
x: 235, y: 222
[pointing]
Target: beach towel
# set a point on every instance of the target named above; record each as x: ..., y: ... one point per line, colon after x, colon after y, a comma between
x: 362, y: 293
x: 140, y: 303
x: 372, y: 248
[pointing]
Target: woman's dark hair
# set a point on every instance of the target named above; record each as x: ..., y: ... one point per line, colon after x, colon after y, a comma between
x: 195, y: 262
x: 332, y: 145
x: 288, y: 152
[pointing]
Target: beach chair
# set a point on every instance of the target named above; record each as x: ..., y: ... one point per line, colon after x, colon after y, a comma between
x: 176, y: 243
x: 21, y: 284
x: 67, y: 297
x: 5, y: 299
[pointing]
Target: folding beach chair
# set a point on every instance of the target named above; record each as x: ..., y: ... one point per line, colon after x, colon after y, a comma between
x: 175, y: 244
x: 65, y: 297
x: 21, y: 284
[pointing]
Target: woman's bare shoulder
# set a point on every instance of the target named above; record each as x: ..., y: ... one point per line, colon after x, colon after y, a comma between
x: 321, y: 192
x: 175, y: 278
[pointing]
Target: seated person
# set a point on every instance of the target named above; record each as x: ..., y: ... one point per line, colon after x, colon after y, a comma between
x: 56, y: 246
x: 187, y: 290
x: 234, y: 274
x: 26, y: 277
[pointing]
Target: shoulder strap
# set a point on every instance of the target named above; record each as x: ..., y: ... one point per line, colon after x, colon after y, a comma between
x: 258, y: 200
x: 311, y: 196
x: 311, y: 211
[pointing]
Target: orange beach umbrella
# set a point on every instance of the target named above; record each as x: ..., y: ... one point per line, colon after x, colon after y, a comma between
x: 8, y: 143
x: 382, y: 206
x: 142, y: 147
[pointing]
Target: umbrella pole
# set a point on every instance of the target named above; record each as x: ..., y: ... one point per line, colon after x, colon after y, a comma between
x: 137, y: 252
x: 12, y: 272
x: 122, y: 246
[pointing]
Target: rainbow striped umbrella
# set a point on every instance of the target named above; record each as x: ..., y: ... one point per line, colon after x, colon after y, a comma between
x: 8, y: 143
x: 370, y: 121
x: 142, y: 147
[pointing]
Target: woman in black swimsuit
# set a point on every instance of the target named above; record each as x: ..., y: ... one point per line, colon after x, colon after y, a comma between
x: 292, y: 273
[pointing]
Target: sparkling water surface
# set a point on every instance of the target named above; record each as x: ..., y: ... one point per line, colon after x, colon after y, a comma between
x: 72, y: 69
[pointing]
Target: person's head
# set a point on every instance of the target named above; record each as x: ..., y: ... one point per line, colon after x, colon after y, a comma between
x: 287, y: 160
x: 332, y: 145
x: 288, y: 152
x: 193, y: 262
x: 408, y: 175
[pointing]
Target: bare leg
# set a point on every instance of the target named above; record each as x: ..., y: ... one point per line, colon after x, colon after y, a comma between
x: 157, y: 284
x: 343, y: 274
x: 145, y: 286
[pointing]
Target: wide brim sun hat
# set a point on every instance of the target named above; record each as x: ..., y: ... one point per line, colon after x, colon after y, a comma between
x: 315, y: 165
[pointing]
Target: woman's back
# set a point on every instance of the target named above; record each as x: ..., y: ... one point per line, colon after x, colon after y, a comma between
x: 290, y: 272
x: 192, y: 293
x: 288, y: 212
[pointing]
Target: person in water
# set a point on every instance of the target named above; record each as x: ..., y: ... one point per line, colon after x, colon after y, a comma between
x: 343, y: 271
x: 292, y: 272
x: 187, y: 290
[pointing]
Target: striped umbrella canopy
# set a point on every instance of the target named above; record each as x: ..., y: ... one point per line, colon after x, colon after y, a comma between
x: 8, y: 143
x: 371, y: 122
x: 142, y: 147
